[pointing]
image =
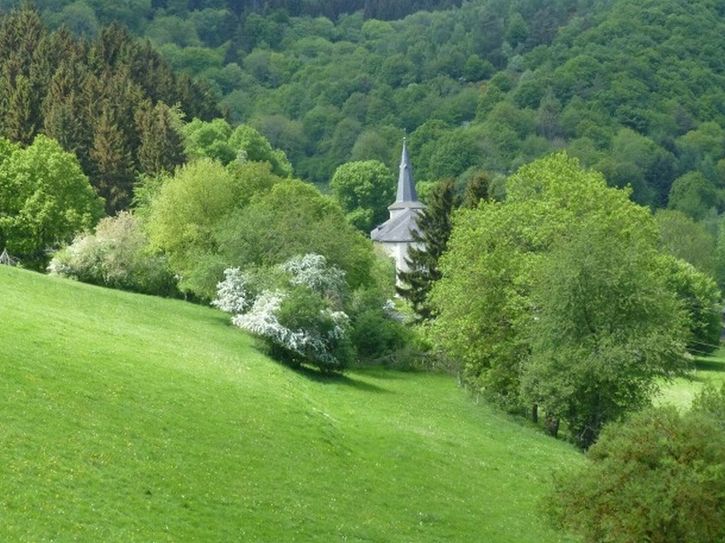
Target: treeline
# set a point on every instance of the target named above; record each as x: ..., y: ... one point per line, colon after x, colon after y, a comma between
x: 633, y: 90
x: 105, y: 100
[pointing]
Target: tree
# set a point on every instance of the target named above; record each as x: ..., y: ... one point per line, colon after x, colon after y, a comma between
x: 700, y: 299
x: 682, y: 237
x: 606, y: 328
x: 693, y: 195
x: 260, y: 235
x: 431, y: 240
x: 162, y: 145
x: 113, y: 163
x: 185, y: 214
x: 45, y: 199
x: 656, y: 477
x: 500, y: 254
x: 364, y: 189
x: 217, y: 140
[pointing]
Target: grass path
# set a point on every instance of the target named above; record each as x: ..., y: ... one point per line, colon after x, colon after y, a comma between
x: 132, y: 418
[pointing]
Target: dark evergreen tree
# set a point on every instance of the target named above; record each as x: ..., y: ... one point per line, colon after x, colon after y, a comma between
x: 113, y: 163
x: 478, y: 188
x: 162, y: 146
x: 434, y: 229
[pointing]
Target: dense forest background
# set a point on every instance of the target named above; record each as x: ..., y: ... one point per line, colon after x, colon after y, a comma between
x: 632, y: 89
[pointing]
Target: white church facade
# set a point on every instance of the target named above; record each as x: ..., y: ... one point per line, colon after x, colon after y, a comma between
x: 395, y: 236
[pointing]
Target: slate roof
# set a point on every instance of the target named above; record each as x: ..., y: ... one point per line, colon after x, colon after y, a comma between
x: 404, y: 211
x: 398, y: 229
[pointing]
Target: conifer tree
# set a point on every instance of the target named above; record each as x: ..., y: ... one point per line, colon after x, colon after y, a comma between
x: 434, y: 229
x: 162, y: 146
x: 478, y: 188
x: 113, y: 172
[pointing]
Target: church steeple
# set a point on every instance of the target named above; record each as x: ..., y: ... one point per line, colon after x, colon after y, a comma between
x: 397, y: 234
x: 406, y: 185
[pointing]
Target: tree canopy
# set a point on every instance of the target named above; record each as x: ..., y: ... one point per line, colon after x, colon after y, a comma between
x: 557, y: 297
x: 44, y: 199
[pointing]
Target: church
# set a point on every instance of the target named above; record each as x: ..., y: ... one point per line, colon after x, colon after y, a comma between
x: 395, y: 236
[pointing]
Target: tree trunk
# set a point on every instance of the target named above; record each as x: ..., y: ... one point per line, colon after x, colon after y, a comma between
x: 535, y: 413
x: 552, y: 426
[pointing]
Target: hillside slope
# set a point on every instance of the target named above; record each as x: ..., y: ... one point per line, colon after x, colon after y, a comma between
x: 130, y: 418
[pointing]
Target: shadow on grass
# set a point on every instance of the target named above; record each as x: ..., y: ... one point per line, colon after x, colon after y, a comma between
x: 337, y: 379
x: 709, y: 365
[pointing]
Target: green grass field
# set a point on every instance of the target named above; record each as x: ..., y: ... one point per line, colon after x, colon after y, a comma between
x: 132, y: 418
x: 704, y: 370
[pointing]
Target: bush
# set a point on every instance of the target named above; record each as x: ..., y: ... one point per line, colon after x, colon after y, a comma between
x: 377, y: 333
x: 301, y: 318
x: 658, y: 477
x: 117, y: 255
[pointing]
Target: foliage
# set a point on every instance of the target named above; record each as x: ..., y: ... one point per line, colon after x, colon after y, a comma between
x: 185, y: 213
x: 116, y: 255
x: 701, y: 299
x: 301, y: 319
x: 684, y: 238
x: 364, y: 190
x: 45, y: 199
x: 259, y: 235
x: 233, y: 294
x: 102, y: 98
x: 431, y: 238
x: 607, y: 327
x: 510, y: 313
x: 217, y: 140
x: 656, y: 477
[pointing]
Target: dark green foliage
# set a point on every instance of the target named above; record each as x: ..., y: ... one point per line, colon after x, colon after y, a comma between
x: 656, y: 477
x: 162, y: 145
x: 88, y: 95
x: 607, y: 327
x: 434, y: 229
x: 634, y: 83
x: 376, y: 335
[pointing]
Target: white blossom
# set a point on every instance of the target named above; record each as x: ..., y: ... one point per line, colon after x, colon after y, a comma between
x: 233, y: 292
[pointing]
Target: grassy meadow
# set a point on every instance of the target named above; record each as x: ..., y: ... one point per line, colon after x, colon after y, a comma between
x: 132, y: 418
x: 681, y: 391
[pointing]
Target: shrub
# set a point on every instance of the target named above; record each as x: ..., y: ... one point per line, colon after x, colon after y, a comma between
x: 301, y: 319
x: 117, y: 255
x: 233, y: 295
x: 657, y: 477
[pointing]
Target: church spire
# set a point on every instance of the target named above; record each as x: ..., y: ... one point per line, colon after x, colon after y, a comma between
x: 406, y: 186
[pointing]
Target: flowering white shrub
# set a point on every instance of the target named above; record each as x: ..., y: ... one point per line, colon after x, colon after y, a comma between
x: 116, y: 255
x: 261, y: 319
x: 233, y: 295
x: 313, y: 272
x: 302, y: 320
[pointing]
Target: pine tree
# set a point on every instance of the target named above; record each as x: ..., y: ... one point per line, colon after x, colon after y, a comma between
x: 434, y: 229
x: 478, y: 188
x: 162, y: 146
x: 113, y: 163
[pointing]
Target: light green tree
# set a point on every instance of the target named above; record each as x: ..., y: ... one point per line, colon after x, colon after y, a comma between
x: 364, y: 189
x: 499, y: 284
x: 45, y: 199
